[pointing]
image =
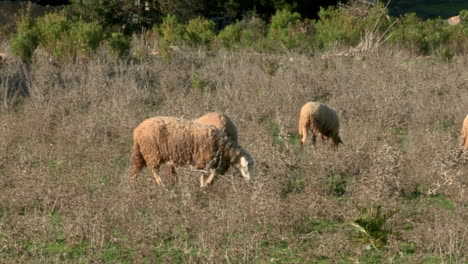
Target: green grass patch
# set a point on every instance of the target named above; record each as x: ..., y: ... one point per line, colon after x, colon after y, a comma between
x: 295, y: 185
x: 116, y: 253
x: 318, y: 226
x: 441, y: 201
x: 370, y: 226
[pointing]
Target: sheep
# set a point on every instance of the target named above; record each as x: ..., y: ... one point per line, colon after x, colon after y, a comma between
x: 453, y: 21
x: 221, y: 122
x: 218, y: 120
x: 464, y: 133
x: 179, y: 141
x: 4, y: 57
x: 322, y: 121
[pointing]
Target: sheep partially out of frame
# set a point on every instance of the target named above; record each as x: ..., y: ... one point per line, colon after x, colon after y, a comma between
x: 464, y: 133
x: 322, y: 121
x: 179, y: 141
x: 221, y: 122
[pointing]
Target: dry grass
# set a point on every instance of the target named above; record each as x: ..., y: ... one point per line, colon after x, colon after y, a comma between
x: 65, y: 156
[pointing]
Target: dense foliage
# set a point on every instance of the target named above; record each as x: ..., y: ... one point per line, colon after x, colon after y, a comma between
x: 68, y: 35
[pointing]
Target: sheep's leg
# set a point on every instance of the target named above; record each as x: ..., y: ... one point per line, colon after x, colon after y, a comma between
x: 209, y: 180
x: 172, y: 173
x: 314, y: 139
x: 303, y: 134
x: 210, y: 177
x: 156, y: 177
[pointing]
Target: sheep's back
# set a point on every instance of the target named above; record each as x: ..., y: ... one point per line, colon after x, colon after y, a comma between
x: 181, y: 141
x: 221, y: 122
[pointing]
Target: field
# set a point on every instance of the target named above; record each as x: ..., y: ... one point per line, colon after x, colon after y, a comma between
x: 395, y: 192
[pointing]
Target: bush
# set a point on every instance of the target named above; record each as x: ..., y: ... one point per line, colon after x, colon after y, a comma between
x: 172, y: 32
x: 421, y: 37
x: 53, y: 37
x: 119, y: 43
x: 86, y: 37
x: 25, y: 42
x: 230, y: 36
x: 200, y: 31
x: 249, y: 32
x: 65, y: 39
x: 340, y: 26
x: 280, y: 25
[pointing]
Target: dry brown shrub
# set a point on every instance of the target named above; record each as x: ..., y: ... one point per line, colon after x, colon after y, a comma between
x: 65, y: 157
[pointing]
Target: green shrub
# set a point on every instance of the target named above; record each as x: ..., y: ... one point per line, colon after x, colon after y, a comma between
x: 53, y: 37
x: 247, y: 33
x: 426, y: 36
x: 86, y: 36
x: 25, y: 42
x: 253, y: 31
x: 172, y: 32
x: 370, y: 224
x: 464, y: 16
x: 119, y: 43
x: 340, y: 26
x: 66, y: 39
x: 230, y: 36
x: 279, y: 31
x: 200, y: 31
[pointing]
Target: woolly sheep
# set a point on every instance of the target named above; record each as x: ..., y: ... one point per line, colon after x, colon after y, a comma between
x: 221, y: 122
x: 321, y: 120
x: 179, y: 141
x: 464, y: 134
x: 453, y: 21
x: 218, y: 120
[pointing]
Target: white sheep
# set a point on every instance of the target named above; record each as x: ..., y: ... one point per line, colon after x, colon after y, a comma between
x: 221, y: 122
x: 464, y: 133
x: 179, y: 141
x: 321, y: 120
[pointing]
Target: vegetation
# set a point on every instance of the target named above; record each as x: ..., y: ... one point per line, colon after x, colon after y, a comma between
x: 68, y: 112
x: 67, y: 36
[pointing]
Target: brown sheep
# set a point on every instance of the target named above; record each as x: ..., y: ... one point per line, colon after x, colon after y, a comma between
x: 464, y: 133
x: 179, y: 141
x: 322, y: 121
x: 221, y: 122
x: 218, y: 120
x: 453, y: 21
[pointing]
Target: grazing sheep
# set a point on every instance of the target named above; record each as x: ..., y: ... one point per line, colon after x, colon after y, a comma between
x: 3, y: 57
x: 218, y: 120
x: 321, y: 120
x: 464, y: 134
x: 221, y: 122
x: 453, y: 21
x: 179, y: 141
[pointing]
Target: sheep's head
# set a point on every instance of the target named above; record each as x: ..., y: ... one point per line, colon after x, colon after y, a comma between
x: 243, y: 162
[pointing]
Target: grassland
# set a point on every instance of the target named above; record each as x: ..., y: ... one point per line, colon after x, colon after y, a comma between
x: 395, y: 192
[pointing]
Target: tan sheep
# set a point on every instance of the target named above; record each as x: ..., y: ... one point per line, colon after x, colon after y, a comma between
x: 321, y: 120
x: 179, y: 141
x: 218, y: 120
x: 464, y: 133
x: 4, y: 57
x: 221, y: 122
x: 453, y: 21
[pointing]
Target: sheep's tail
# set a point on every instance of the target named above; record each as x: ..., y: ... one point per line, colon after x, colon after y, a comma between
x: 138, y: 162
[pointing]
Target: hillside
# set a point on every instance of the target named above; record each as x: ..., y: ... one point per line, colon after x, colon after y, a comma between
x: 395, y: 192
